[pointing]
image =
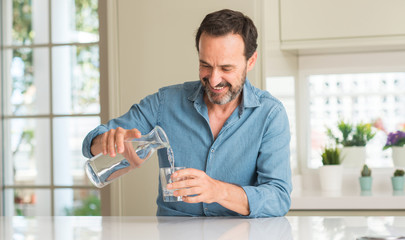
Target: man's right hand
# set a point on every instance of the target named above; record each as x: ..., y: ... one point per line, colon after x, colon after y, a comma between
x: 105, y: 143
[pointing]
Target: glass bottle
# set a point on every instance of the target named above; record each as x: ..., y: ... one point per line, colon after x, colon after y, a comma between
x: 103, y: 169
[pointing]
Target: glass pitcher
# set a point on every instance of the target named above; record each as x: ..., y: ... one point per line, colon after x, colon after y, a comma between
x: 103, y: 169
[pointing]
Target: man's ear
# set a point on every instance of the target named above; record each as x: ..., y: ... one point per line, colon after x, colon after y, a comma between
x: 252, y: 61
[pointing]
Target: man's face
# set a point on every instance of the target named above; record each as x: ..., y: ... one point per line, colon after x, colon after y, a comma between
x: 223, y: 66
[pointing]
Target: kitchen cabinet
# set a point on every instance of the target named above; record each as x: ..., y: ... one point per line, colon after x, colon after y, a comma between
x: 342, y: 23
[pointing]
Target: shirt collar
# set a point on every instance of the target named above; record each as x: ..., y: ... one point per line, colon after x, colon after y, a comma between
x: 198, y: 91
x: 249, y: 97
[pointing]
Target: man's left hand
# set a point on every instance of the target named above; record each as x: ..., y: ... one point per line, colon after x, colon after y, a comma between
x: 196, y: 187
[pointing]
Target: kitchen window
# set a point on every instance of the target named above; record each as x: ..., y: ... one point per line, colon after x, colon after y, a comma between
x: 356, y: 98
x: 50, y: 83
x: 357, y: 87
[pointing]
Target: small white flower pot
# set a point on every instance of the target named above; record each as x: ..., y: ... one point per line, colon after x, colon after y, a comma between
x: 331, y: 178
x: 398, y: 156
x: 353, y: 157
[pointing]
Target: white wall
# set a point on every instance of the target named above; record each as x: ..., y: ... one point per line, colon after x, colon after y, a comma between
x: 154, y: 47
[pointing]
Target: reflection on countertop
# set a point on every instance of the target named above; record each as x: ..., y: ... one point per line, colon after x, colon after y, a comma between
x: 179, y: 228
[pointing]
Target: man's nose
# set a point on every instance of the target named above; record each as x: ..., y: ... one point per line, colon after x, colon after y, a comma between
x: 215, y: 78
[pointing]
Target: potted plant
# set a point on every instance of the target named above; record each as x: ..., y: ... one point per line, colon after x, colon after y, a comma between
x: 331, y: 172
x: 353, y: 139
x: 396, y: 141
x: 365, y: 179
x: 398, y: 180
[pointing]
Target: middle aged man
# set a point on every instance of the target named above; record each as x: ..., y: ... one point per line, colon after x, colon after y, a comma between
x: 232, y: 138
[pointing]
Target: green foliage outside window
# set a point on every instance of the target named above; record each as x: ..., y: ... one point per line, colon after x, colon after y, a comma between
x: 85, y: 86
x: 91, y: 206
x: 22, y: 22
x: 87, y: 16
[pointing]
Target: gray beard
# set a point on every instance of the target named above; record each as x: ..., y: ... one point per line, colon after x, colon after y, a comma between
x: 229, y: 96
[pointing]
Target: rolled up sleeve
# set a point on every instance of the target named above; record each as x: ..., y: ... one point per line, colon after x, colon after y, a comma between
x: 142, y: 116
x: 86, y: 146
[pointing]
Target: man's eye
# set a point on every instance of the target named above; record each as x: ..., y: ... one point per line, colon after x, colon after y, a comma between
x: 226, y: 69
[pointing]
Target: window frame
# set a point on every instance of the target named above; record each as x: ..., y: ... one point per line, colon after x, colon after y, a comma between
x: 1, y: 112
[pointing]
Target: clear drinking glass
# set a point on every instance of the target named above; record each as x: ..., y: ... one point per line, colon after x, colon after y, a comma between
x: 166, y: 178
x: 103, y: 169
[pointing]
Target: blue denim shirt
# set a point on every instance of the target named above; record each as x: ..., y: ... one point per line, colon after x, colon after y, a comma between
x: 251, y: 150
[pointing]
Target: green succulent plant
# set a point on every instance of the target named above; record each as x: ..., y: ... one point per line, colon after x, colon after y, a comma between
x: 352, y: 135
x: 366, y: 172
x: 399, y: 173
x: 331, y: 156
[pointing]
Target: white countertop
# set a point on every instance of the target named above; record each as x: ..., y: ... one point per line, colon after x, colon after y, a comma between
x: 122, y: 228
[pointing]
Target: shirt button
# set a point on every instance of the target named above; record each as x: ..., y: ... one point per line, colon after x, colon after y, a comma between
x: 205, y: 209
x: 212, y: 150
